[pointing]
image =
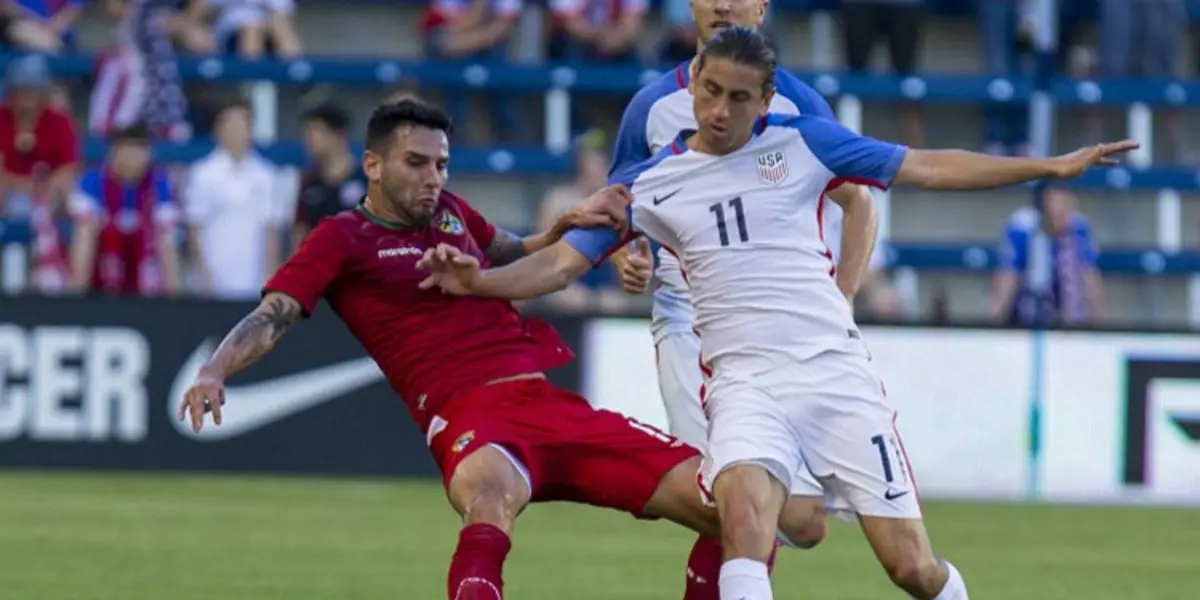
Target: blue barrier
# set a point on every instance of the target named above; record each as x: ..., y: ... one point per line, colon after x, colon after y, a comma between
x: 627, y: 79
x: 925, y: 257
x: 984, y: 257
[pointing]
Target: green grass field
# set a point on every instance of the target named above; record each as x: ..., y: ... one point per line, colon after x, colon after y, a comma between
x: 121, y: 537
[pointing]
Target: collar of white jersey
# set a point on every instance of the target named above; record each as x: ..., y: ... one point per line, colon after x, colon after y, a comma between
x: 679, y: 146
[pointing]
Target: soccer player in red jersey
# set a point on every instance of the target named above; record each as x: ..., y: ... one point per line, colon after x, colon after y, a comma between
x: 468, y: 369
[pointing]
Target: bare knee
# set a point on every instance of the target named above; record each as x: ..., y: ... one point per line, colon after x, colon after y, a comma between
x: 488, y: 488
x: 904, y: 550
x: 749, y: 502
x: 803, y: 523
x: 919, y: 574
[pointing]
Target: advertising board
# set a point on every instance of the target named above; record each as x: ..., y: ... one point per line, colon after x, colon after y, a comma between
x: 992, y: 413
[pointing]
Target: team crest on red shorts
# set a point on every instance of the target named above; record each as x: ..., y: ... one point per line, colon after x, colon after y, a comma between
x: 772, y: 167
x: 463, y: 441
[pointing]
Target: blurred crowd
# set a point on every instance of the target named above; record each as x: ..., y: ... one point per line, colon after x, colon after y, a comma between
x: 134, y: 226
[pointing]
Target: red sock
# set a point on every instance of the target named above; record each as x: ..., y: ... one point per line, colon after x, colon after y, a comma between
x: 703, y: 570
x: 475, y: 570
x: 771, y: 559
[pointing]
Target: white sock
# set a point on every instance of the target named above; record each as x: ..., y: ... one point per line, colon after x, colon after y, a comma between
x: 955, y: 588
x: 745, y: 579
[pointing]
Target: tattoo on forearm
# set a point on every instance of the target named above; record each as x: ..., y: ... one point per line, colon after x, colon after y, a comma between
x: 506, y: 248
x: 255, y: 335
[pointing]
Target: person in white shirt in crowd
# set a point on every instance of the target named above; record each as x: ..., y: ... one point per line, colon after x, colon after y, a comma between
x: 233, y: 211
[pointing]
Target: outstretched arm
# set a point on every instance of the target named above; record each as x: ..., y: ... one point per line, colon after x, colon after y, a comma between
x: 543, y: 272
x: 963, y: 170
x: 254, y: 336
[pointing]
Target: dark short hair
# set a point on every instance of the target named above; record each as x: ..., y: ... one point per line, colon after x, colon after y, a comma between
x: 388, y: 118
x: 744, y: 46
x: 329, y: 115
x: 138, y: 133
x: 236, y: 103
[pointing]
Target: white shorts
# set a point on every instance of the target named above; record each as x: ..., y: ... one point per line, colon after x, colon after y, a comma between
x: 828, y: 413
x: 680, y: 380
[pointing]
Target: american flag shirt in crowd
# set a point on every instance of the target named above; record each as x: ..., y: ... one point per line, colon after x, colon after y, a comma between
x: 138, y: 80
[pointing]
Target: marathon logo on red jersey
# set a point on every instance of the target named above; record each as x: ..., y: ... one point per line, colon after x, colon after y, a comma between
x: 403, y: 251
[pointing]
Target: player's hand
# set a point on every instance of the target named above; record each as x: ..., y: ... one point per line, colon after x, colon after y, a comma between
x: 639, y: 268
x: 1067, y: 166
x: 207, y: 394
x: 608, y: 207
x: 450, y: 269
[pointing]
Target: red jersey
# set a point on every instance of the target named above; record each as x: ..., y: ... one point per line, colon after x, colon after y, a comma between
x: 52, y: 146
x: 430, y: 345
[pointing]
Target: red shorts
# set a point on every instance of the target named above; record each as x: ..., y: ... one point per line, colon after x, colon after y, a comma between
x: 571, y: 451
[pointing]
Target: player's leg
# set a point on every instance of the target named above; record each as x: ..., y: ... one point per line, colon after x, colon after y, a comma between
x: 679, y: 381
x: 850, y: 442
x: 753, y: 455
x: 802, y: 524
x: 489, y: 488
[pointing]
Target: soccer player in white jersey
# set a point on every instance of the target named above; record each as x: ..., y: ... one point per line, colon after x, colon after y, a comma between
x: 793, y: 384
x: 657, y: 113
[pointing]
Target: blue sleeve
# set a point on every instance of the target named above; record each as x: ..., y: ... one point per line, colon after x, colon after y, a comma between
x: 162, y: 189
x: 1014, y: 247
x: 848, y: 155
x: 807, y: 100
x: 90, y: 184
x: 631, y: 147
x: 597, y: 243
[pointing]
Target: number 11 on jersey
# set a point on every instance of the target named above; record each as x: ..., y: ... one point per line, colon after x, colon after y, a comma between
x: 739, y: 217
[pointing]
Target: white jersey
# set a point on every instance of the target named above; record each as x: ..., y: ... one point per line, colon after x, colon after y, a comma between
x: 652, y: 120
x: 746, y: 227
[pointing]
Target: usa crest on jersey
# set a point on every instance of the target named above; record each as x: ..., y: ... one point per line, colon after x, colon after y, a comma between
x: 772, y: 167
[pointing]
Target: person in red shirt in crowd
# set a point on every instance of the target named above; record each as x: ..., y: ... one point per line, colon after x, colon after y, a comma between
x: 470, y: 370
x: 40, y: 153
x: 125, y: 222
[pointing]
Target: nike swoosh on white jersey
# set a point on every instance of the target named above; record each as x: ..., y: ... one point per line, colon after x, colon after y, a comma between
x: 252, y: 406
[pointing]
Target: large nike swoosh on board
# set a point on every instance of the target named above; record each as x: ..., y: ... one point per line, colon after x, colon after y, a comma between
x: 252, y: 406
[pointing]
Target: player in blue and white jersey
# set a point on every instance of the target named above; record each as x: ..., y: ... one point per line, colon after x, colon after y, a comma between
x: 657, y: 113
x: 793, y: 384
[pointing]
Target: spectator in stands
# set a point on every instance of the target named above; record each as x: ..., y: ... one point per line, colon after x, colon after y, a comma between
x: 182, y: 21
x: 125, y: 220
x: 334, y: 181
x: 1048, y: 272
x: 38, y: 143
x: 45, y: 26
x: 476, y: 30
x: 233, y: 212
x: 254, y: 28
x: 680, y: 41
x: 1006, y: 41
x: 599, y: 31
x: 137, y: 80
x: 864, y: 21
x: 1143, y: 38
x: 40, y: 153
x: 598, y: 289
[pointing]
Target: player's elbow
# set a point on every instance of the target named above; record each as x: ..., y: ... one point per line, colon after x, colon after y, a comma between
x: 920, y: 169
